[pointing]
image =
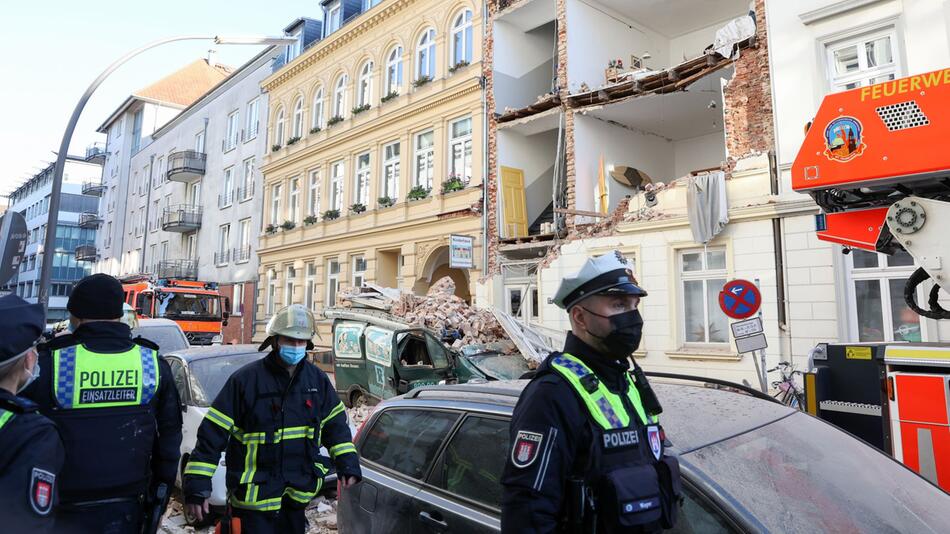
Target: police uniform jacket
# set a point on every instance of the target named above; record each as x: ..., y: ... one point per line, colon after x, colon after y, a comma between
x: 111, y: 452
x: 271, y: 424
x: 31, y: 456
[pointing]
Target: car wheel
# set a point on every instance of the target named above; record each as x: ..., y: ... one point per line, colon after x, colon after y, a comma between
x: 357, y: 399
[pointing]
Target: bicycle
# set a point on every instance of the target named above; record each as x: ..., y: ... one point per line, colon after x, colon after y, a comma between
x: 788, y: 392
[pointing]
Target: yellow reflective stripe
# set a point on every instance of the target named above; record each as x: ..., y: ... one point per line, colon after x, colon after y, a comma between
x: 342, y: 448
x: 295, y: 432
x: 333, y: 413
x: 301, y: 496
x: 634, y: 395
x: 220, y: 419
x: 256, y: 438
x: 323, y: 470
x: 5, y: 417
x: 200, y: 468
x: 267, y: 505
x: 250, y: 464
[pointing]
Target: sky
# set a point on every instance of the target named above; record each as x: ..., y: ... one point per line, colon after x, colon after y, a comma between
x: 55, y: 48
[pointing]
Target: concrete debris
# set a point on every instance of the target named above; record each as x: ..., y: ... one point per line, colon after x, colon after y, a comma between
x: 602, y: 228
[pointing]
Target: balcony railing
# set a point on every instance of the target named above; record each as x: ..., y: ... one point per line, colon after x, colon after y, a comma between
x: 94, y: 189
x: 86, y: 253
x: 222, y: 257
x: 186, y: 166
x: 96, y: 153
x: 241, y: 254
x: 89, y: 220
x: 182, y: 218
x: 226, y: 199
x: 246, y: 192
x: 179, y: 269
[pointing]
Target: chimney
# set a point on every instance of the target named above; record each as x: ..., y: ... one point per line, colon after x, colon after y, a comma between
x: 212, y: 58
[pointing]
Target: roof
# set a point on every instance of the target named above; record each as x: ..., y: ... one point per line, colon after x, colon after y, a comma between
x: 178, y: 89
x: 213, y: 351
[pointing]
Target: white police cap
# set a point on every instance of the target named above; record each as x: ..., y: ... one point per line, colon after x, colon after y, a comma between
x: 605, y: 275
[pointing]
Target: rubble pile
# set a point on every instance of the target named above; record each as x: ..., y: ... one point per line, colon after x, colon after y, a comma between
x: 441, y: 310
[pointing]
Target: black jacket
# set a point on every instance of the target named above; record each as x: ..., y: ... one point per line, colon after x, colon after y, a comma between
x: 97, y: 443
x: 31, y: 454
x: 533, y: 496
x: 271, y: 425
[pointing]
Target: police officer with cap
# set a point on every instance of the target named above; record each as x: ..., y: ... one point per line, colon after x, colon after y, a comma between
x: 587, y: 452
x: 31, y: 451
x: 117, y: 408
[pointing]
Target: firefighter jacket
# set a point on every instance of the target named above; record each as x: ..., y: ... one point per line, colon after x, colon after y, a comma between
x: 117, y: 408
x: 271, y: 424
x: 585, y: 456
x: 31, y: 456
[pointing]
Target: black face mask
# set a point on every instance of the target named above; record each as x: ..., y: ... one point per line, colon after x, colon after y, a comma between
x: 624, y: 336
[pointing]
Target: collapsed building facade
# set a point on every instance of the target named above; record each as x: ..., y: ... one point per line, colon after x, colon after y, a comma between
x: 644, y: 127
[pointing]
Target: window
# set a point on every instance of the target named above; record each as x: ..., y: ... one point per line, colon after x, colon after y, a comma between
x: 310, y: 285
x: 339, y: 97
x: 244, y: 252
x: 159, y: 177
x: 237, y: 299
x: 391, y: 171
x: 227, y: 188
x: 359, y: 271
x: 361, y: 184
x: 534, y: 302
x: 252, y: 118
x: 462, y: 38
x: 279, y: 127
x: 334, y: 17
x: 514, y: 302
x: 865, y: 60
x: 298, y: 118
x: 294, y: 203
x: 234, y: 121
x: 271, y: 295
x: 425, y: 55
x: 317, y: 117
x: 247, y: 180
x: 336, y: 185
x: 878, y: 310
x: 333, y: 282
x: 460, y: 149
x: 399, y: 430
x: 192, y: 244
x: 276, y: 191
x: 289, y: 285
x: 224, y: 240
x: 293, y: 49
x: 425, y: 153
x: 365, y: 90
x: 137, y: 130
x: 200, y: 142
x: 702, y: 275
x: 472, y: 462
x: 394, y: 70
x: 313, y: 195
x: 196, y: 194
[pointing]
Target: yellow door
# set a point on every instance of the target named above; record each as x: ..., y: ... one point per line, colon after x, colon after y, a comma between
x: 515, y: 210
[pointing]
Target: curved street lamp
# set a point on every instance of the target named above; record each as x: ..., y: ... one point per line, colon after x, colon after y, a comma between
x: 53, y: 217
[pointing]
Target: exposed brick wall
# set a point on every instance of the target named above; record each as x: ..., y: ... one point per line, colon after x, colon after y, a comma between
x: 748, y: 97
x: 240, y: 329
x: 491, y: 176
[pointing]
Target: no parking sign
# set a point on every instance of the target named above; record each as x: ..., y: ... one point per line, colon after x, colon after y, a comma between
x: 740, y: 299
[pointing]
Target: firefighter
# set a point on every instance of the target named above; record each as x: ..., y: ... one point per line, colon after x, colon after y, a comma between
x: 271, y: 417
x: 587, y: 451
x: 31, y: 451
x: 116, y: 406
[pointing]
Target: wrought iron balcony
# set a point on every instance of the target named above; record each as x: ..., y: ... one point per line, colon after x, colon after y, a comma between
x: 183, y: 218
x: 246, y: 192
x: 89, y: 219
x: 93, y: 189
x: 222, y: 257
x: 86, y: 253
x: 226, y: 199
x: 186, y: 166
x: 178, y: 269
x: 96, y: 153
x: 241, y: 254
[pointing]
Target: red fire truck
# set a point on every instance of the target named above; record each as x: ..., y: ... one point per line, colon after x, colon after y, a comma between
x: 198, y: 307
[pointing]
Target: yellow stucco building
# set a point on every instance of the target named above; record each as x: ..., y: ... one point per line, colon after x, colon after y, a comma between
x: 376, y: 157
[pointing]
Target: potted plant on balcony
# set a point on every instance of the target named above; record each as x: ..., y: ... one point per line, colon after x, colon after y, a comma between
x: 421, y: 80
x: 357, y: 208
x: 452, y: 184
x: 270, y: 229
x: 288, y: 225
x: 385, y: 202
x: 336, y: 119
x: 359, y: 109
x: 460, y: 65
x: 315, y: 129
x: 389, y: 96
x: 329, y: 215
x: 310, y: 219
x: 274, y: 148
x: 418, y: 192
x: 293, y: 140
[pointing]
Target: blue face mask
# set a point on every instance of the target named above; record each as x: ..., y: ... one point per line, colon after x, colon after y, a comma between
x: 292, y: 355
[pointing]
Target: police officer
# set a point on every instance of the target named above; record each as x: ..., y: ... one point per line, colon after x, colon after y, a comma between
x: 586, y: 446
x: 271, y: 417
x: 31, y: 451
x: 116, y: 405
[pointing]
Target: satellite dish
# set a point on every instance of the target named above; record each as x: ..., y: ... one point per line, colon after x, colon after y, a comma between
x: 630, y: 177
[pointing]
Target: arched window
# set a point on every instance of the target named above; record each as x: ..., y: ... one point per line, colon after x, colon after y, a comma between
x: 297, y: 130
x: 462, y: 38
x: 339, y: 97
x: 364, y: 91
x: 394, y: 70
x: 279, y: 127
x: 425, y: 55
x: 317, y: 119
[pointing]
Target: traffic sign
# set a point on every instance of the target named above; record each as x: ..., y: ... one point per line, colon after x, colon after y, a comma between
x: 751, y: 343
x: 740, y: 299
x: 13, y: 236
x: 749, y: 327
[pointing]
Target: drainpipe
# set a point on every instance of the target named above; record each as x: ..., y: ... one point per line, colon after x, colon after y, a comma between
x: 777, y: 248
x: 148, y: 204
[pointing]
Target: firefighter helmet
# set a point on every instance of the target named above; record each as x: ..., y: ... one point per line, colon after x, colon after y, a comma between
x: 294, y: 321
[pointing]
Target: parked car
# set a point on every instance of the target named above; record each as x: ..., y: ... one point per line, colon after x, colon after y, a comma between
x: 200, y: 373
x: 432, y: 460
x: 164, y: 332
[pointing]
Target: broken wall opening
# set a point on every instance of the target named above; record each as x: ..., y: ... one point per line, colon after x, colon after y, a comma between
x: 525, y: 48
x: 436, y: 268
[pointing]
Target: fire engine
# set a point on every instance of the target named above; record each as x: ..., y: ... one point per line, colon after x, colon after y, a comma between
x: 198, y: 307
x: 873, y: 161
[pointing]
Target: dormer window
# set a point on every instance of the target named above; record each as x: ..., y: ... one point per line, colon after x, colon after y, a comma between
x: 334, y: 17
x: 293, y: 50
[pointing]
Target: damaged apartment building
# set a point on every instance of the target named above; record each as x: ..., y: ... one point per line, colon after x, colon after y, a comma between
x: 640, y: 126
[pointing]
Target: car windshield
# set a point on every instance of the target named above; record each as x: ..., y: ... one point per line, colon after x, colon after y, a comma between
x: 189, y: 306
x: 169, y: 338
x: 208, y: 375
x: 499, y: 366
x: 800, y: 474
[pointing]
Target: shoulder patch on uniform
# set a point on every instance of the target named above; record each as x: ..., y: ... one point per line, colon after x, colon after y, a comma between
x: 41, y: 491
x: 526, y: 448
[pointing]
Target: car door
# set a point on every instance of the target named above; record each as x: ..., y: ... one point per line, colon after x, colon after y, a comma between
x: 396, y: 450
x: 421, y: 360
x: 463, y: 491
x: 379, y: 346
x: 349, y: 366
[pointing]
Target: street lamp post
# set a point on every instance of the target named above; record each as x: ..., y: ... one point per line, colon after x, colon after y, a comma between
x: 49, y: 245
